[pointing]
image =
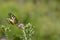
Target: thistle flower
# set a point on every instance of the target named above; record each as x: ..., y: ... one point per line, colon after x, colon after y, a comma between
x: 3, y: 38
x: 21, y: 25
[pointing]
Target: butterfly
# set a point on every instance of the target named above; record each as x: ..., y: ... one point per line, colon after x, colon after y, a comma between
x: 12, y: 19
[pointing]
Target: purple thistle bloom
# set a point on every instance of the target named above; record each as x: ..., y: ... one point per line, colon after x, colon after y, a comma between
x: 21, y: 25
x: 3, y: 38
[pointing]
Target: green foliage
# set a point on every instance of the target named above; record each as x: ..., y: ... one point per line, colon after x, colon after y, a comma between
x: 45, y: 17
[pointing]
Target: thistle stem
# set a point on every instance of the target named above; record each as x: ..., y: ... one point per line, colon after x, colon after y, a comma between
x: 24, y: 34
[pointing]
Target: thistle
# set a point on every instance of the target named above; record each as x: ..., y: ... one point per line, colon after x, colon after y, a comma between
x: 3, y: 38
x: 4, y: 31
x: 27, y: 31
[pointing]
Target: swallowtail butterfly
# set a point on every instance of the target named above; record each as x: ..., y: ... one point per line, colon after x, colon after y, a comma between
x: 12, y: 19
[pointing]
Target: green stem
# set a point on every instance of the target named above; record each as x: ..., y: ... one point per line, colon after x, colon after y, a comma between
x: 24, y: 34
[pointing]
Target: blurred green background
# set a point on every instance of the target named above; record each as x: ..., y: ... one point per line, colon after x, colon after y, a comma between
x: 43, y: 14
